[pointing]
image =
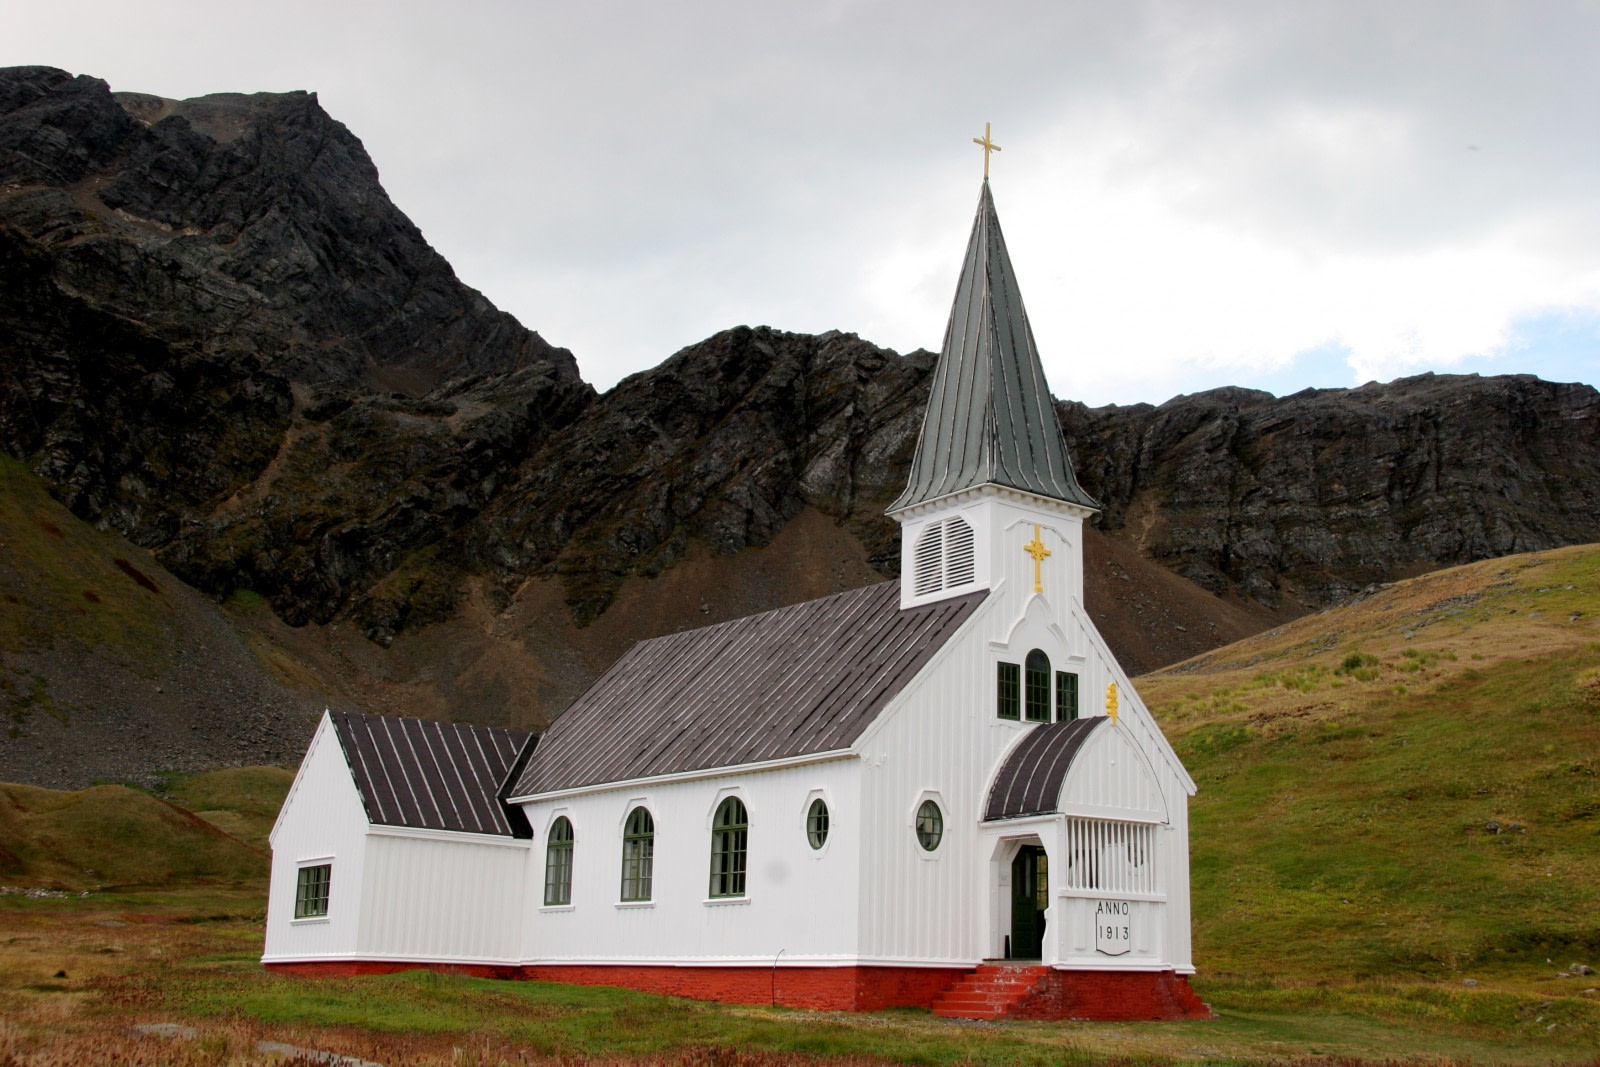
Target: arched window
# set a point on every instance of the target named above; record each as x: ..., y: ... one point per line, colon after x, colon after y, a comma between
x: 930, y: 825
x: 817, y: 823
x: 558, y: 863
x: 638, y: 854
x: 730, y: 832
x: 1036, y: 687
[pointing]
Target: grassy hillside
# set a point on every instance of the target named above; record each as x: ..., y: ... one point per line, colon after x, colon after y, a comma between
x: 1405, y: 786
x: 240, y: 801
x: 112, y: 836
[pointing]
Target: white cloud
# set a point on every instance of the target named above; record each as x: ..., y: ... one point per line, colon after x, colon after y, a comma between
x: 1192, y: 193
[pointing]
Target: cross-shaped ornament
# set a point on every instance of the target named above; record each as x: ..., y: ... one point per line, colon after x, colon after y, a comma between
x: 988, y: 146
x: 1036, y: 549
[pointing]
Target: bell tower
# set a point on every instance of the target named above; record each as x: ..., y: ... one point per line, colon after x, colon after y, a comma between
x: 990, y: 478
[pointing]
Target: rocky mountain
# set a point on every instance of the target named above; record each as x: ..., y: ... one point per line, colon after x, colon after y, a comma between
x: 1308, y: 498
x: 221, y: 340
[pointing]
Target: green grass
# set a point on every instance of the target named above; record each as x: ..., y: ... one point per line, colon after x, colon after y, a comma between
x: 1348, y: 879
x: 1357, y: 843
x: 113, y: 836
x: 1407, y: 789
x: 1258, y: 1022
x: 240, y: 801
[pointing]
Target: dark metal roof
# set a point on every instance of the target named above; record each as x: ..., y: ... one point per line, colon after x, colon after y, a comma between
x: 792, y: 682
x: 1029, y: 781
x: 433, y: 775
x: 990, y: 419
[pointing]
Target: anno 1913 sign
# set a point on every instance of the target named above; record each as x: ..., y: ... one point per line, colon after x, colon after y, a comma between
x: 1113, y: 925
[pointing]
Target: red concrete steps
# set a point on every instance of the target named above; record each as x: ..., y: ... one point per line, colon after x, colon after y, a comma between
x: 990, y: 992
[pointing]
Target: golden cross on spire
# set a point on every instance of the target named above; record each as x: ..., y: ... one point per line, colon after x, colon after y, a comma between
x: 988, y: 146
x: 1036, y: 549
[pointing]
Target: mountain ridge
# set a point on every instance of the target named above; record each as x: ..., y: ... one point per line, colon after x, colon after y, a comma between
x: 220, y: 339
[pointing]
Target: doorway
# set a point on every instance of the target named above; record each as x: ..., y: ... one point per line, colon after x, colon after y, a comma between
x: 1030, y: 895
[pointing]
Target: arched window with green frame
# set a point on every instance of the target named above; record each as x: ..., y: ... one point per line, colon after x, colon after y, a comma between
x: 638, y: 854
x: 1036, y: 687
x: 730, y: 834
x: 558, y: 863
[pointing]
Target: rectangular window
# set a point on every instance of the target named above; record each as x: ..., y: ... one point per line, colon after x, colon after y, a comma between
x: 637, y: 861
x: 727, y: 864
x: 1008, y: 691
x: 311, y: 891
x: 1066, y: 696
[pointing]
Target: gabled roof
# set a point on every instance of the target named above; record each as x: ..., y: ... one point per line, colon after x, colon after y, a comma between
x: 796, y: 681
x: 433, y: 775
x: 990, y: 419
x: 1029, y: 781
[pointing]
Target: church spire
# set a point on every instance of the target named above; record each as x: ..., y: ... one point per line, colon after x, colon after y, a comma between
x: 990, y: 419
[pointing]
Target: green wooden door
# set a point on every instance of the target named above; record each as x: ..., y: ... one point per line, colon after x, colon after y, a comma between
x: 1030, y: 895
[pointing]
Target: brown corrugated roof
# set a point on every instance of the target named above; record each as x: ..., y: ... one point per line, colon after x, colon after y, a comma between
x: 1029, y: 780
x: 796, y: 681
x: 433, y: 775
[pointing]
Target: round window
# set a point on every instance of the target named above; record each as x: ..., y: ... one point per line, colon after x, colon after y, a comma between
x: 817, y: 823
x: 930, y: 825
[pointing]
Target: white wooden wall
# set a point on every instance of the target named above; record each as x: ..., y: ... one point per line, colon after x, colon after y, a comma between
x: 800, y: 904
x: 453, y: 898
x: 322, y: 820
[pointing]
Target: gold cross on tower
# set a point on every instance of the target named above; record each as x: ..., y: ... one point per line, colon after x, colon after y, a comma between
x: 988, y: 146
x: 1036, y: 549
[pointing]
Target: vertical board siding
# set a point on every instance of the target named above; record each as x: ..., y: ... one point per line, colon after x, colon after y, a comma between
x: 942, y: 734
x: 800, y: 903
x: 1111, y: 775
x: 322, y: 820
x: 442, y: 899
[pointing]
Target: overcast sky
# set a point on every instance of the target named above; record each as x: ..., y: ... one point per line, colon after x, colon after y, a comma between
x: 1276, y: 195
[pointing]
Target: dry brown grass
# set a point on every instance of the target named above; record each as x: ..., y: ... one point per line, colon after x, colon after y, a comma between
x: 1422, y: 633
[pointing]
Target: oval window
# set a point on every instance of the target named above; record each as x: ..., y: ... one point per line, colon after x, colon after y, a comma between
x: 817, y: 823
x: 930, y: 825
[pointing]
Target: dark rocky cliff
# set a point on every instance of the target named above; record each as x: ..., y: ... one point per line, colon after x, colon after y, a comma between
x: 1311, y: 497
x: 170, y: 271
x: 221, y: 339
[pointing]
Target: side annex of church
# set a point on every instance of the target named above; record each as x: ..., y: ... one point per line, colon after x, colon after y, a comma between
x: 940, y: 791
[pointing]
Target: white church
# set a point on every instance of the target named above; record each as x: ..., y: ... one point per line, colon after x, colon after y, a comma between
x: 940, y: 791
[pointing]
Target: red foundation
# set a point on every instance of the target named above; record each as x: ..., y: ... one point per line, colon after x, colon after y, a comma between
x: 1101, y: 995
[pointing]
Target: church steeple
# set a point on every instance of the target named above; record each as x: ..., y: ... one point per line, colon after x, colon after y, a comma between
x: 990, y: 420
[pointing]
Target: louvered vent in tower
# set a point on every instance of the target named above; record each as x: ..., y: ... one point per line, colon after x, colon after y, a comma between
x: 946, y: 557
x: 928, y: 574
x: 960, y: 557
